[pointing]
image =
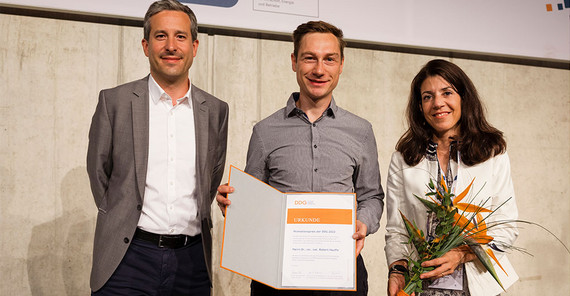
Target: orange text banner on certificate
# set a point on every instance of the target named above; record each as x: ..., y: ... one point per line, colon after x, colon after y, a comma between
x: 319, y: 216
x: 289, y: 240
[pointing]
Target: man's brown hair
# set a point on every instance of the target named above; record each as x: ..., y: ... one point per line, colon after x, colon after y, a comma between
x: 317, y: 27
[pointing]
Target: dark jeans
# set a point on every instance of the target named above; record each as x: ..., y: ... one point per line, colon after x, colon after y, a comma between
x: 259, y: 289
x: 147, y: 269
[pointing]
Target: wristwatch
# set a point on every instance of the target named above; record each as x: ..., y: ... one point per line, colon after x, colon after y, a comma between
x: 399, y: 269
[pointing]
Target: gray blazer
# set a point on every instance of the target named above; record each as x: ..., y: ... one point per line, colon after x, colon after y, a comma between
x: 117, y: 164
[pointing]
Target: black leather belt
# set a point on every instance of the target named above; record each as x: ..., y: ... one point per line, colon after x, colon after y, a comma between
x: 165, y: 240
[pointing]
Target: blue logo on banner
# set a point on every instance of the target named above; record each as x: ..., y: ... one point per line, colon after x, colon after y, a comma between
x: 220, y: 3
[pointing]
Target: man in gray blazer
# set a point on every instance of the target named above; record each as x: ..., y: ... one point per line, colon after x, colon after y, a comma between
x: 157, y: 149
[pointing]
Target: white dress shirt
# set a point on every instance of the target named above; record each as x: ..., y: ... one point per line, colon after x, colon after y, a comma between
x: 170, y: 205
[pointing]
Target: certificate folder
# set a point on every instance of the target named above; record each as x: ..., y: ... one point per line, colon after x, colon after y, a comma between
x: 289, y: 240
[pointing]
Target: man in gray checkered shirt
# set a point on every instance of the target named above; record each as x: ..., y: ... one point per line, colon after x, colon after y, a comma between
x: 312, y: 145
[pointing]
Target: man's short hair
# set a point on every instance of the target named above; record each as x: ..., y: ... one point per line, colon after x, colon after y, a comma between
x: 317, y: 27
x: 163, y: 5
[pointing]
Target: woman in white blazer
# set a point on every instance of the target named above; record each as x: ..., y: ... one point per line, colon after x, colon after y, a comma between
x: 448, y: 137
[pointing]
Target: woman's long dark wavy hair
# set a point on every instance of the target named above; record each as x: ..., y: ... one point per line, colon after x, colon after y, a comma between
x: 478, y: 140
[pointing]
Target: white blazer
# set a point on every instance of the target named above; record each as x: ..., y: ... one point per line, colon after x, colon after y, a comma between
x: 492, y: 180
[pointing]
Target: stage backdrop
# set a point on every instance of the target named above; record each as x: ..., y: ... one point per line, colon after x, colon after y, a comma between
x: 538, y: 29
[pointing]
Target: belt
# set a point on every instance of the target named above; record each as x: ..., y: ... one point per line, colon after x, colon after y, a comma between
x: 165, y: 240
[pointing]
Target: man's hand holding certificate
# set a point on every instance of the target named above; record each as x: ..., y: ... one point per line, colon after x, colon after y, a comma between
x: 289, y: 240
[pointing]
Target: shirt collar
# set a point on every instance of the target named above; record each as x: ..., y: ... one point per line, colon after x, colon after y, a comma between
x: 431, y: 150
x: 156, y: 92
x: 291, y: 109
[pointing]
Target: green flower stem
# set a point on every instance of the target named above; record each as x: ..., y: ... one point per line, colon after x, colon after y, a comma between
x: 412, y: 284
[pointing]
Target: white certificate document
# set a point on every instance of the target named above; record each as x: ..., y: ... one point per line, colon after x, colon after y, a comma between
x: 318, y: 249
x: 289, y: 240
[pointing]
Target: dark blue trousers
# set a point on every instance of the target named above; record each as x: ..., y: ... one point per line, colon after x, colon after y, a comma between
x: 259, y: 289
x: 147, y: 269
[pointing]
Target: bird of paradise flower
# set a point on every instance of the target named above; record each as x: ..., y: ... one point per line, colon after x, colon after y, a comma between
x: 454, y: 230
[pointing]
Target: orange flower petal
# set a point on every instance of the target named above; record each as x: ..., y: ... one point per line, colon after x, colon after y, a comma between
x: 402, y: 293
x: 463, y: 194
x: 438, y: 239
x: 482, y: 238
x: 492, y: 255
x: 443, y: 184
x: 481, y: 225
x: 471, y: 208
x: 463, y: 222
x: 480, y: 219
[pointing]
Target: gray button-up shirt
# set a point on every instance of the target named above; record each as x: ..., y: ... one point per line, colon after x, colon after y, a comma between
x: 336, y: 153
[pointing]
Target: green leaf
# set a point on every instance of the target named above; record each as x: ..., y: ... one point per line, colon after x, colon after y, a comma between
x: 430, y: 184
x: 485, y: 260
x: 429, y: 204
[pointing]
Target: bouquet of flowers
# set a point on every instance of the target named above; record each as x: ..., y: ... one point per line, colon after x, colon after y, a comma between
x: 460, y: 224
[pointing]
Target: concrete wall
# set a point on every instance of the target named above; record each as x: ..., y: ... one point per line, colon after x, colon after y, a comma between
x: 52, y: 70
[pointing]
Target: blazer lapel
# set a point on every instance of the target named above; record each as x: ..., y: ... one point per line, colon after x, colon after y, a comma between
x: 140, y: 114
x: 201, y: 127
